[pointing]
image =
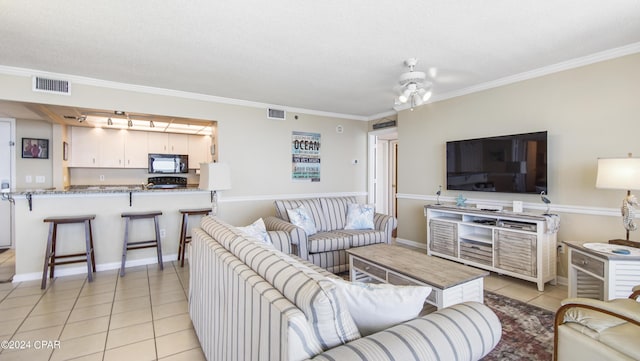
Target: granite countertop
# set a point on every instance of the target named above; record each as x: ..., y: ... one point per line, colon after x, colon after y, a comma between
x: 90, y: 189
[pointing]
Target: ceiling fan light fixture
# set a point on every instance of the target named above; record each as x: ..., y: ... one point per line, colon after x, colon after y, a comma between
x: 403, y: 99
x: 416, y: 89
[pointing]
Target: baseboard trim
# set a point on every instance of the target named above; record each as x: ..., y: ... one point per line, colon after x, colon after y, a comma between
x: 410, y: 243
x: 62, y: 271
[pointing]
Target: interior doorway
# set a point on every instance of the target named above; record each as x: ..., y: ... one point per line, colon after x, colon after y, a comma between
x: 7, y: 180
x: 383, y: 156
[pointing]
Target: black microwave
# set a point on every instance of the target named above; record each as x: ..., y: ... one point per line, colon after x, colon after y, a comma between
x: 168, y: 163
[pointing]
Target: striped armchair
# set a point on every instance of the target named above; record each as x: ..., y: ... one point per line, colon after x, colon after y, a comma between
x: 327, y: 248
x: 251, y: 302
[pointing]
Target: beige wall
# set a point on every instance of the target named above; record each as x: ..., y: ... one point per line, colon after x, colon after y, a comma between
x: 31, y: 166
x: 589, y: 112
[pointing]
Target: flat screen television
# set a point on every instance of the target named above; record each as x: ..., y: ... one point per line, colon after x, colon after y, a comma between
x: 510, y: 164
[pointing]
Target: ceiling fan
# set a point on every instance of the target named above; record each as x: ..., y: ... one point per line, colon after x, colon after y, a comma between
x: 415, y: 89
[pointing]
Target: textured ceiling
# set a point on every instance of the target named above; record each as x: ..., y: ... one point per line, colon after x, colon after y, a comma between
x: 332, y: 56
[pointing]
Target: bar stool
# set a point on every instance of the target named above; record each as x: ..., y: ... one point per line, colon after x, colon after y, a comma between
x: 130, y: 216
x: 50, y: 258
x: 184, y: 239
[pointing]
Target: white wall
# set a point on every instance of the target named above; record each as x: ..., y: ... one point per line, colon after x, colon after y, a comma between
x: 589, y: 112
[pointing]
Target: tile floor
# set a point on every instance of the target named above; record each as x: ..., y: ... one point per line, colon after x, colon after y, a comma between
x: 143, y: 316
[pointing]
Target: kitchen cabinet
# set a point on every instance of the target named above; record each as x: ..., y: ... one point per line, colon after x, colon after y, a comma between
x: 199, y: 150
x: 111, y: 148
x: 136, y: 150
x: 168, y: 143
x: 520, y: 245
x: 84, y: 146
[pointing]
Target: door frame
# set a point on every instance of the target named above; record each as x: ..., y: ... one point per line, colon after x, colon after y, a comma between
x: 372, y: 161
x: 12, y: 175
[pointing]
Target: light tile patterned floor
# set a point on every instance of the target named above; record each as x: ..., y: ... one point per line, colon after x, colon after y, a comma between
x: 142, y: 316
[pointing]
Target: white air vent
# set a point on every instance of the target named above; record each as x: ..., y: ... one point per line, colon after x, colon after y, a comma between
x: 51, y: 85
x: 276, y: 114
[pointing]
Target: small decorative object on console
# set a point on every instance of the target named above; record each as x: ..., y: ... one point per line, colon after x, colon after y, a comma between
x: 461, y: 201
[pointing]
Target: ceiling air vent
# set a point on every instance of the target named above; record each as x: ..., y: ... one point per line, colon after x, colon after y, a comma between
x: 276, y: 114
x: 51, y: 85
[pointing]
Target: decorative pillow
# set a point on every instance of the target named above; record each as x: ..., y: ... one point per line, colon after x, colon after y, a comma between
x: 376, y: 307
x: 359, y: 216
x: 257, y: 230
x: 301, y: 218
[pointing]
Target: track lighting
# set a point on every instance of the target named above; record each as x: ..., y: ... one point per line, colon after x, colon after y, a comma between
x: 130, y: 123
x: 151, y: 125
x: 109, y: 121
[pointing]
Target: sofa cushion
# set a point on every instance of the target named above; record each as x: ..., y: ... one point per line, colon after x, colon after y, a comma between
x: 359, y: 216
x: 389, y: 304
x: 328, y: 241
x: 257, y: 230
x: 361, y: 238
x: 312, y: 205
x: 335, y: 211
x: 300, y: 217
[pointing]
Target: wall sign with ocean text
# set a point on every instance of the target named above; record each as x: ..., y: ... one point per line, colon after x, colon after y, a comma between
x: 305, y: 157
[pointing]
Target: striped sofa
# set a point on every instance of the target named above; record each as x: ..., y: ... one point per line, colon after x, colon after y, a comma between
x: 326, y: 248
x: 249, y: 301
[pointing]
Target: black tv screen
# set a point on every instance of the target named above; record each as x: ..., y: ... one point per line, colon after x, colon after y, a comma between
x: 510, y: 164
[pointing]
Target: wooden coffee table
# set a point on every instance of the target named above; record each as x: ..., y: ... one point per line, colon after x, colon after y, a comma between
x: 451, y: 282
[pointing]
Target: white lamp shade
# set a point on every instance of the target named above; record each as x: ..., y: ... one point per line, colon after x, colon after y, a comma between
x: 618, y: 173
x: 215, y: 176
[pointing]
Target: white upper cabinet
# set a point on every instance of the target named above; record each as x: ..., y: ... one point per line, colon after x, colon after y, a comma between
x: 199, y: 150
x: 136, y: 149
x: 84, y: 147
x: 112, y: 148
x: 168, y: 143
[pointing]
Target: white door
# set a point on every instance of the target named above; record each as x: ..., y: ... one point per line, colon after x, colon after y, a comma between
x: 383, y: 145
x: 7, y: 157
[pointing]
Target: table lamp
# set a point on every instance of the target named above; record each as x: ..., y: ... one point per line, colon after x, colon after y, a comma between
x: 621, y: 173
x: 214, y: 177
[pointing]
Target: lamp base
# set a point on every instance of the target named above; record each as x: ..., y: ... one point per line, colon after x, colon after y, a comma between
x: 625, y: 242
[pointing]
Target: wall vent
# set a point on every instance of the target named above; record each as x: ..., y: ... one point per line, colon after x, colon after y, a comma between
x: 276, y: 114
x: 55, y: 86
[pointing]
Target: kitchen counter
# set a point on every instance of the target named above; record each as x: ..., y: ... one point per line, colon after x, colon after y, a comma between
x: 32, y: 206
x: 87, y: 189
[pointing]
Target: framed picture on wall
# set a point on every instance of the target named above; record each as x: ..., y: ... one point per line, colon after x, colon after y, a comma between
x: 35, y: 148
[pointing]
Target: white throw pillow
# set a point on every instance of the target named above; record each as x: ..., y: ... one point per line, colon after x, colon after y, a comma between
x: 376, y: 307
x: 302, y: 218
x: 257, y: 230
x: 359, y: 216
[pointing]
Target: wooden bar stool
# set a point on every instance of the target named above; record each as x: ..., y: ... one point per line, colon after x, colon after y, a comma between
x: 130, y: 216
x: 184, y: 239
x: 50, y: 258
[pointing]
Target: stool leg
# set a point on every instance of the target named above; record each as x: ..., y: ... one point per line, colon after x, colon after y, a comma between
x: 93, y: 256
x: 89, y: 249
x: 124, y: 246
x: 52, y: 262
x: 183, y: 238
x: 182, y: 235
x: 158, y: 242
x: 47, y: 257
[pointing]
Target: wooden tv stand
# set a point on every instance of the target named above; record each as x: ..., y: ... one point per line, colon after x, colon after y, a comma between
x: 515, y: 244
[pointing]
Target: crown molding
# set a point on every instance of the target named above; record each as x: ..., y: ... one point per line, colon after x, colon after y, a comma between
x: 75, y: 79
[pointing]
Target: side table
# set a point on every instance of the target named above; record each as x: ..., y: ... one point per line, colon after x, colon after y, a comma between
x: 602, y: 274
